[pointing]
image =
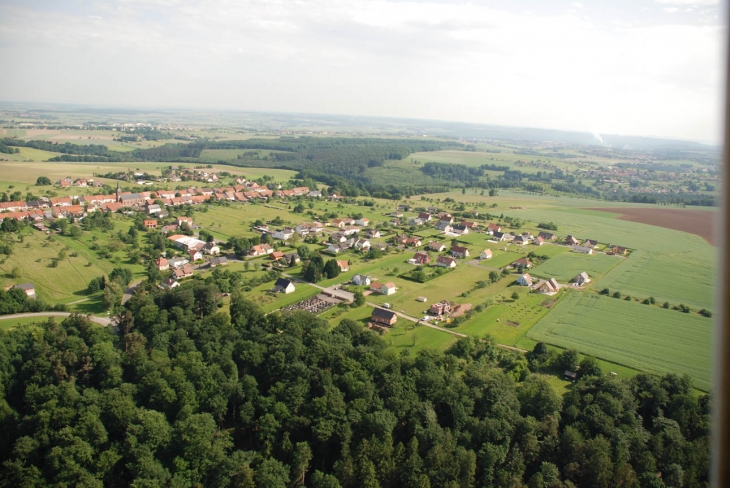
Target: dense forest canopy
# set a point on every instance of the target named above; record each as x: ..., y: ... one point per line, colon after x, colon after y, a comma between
x: 188, y: 395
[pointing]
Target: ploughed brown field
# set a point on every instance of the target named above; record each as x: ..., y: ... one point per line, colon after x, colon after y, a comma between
x: 698, y: 222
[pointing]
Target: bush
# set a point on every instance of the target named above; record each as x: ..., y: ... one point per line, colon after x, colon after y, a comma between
x: 706, y: 313
x: 605, y: 291
x: 617, y: 294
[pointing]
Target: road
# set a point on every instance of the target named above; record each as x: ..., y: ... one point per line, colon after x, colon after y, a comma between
x: 99, y: 320
x: 130, y: 291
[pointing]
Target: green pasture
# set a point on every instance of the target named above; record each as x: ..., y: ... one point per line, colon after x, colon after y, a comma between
x: 407, y: 336
x: 568, y: 265
x: 644, y: 337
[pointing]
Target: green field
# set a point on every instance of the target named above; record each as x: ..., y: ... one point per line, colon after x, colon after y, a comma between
x: 7, y: 324
x: 566, y: 266
x: 639, y: 336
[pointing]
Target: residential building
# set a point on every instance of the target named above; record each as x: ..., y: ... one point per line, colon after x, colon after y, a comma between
x: 28, y: 288
x: 525, y: 280
x: 360, y: 280
x: 381, y: 316
x: 150, y: 224
x: 446, y: 262
x: 485, y: 254
x: 436, y: 246
x: 583, y: 249
x: 383, y: 289
x: 420, y: 258
x: 582, y: 279
x: 162, y: 264
x: 459, y: 252
x: 441, y: 308
x: 284, y: 286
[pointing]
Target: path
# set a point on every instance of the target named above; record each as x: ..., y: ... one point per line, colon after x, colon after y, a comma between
x: 105, y: 321
x: 130, y: 291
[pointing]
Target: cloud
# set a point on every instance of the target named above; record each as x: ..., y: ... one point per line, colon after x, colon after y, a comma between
x: 689, y: 2
x: 671, y: 10
x: 453, y: 61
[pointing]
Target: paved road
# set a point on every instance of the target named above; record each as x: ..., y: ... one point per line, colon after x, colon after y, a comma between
x: 130, y: 291
x: 99, y: 320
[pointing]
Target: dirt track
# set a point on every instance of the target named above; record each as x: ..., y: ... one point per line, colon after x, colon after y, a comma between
x: 698, y: 222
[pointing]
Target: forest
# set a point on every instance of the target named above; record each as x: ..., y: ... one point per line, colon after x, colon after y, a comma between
x: 186, y: 394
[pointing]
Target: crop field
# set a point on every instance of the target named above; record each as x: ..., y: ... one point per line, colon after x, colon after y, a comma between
x: 644, y: 337
x: 699, y: 222
x: 568, y: 265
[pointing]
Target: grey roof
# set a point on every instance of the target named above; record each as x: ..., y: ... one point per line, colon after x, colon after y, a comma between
x: 25, y: 286
x: 383, y: 313
x: 282, y: 283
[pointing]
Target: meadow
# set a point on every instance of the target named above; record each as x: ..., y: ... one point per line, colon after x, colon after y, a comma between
x: 568, y: 265
x: 639, y: 336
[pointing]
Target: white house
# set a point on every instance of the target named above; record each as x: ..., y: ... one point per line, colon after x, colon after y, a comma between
x: 363, y: 222
x: 195, y: 255
x: 581, y: 279
x: 359, y: 279
x: 212, y: 248
x: 283, y: 234
x: 485, y: 254
x: 383, y: 289
x: 446, y: 262
x: 363, y: 244
x: 583, y: 249
x: 283, y: 286
x: 525, y: 280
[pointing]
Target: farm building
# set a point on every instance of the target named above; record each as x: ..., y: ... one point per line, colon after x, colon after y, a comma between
x: 572, y: 241
x: 441, y: 308
x: 384, y: 317
x: 485, y: 254
x: 28, y: 288
x: 359, y: 279
x: 524, y: 280
x: 383, y: 289
x: 283, y: 286
x: 446, y: 262
x: 583, y: 249
x: 581, y: 279
x: 221, y: 261
x: 186, y: 242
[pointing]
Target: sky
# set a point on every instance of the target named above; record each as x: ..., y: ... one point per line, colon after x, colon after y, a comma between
x: 634, y: 67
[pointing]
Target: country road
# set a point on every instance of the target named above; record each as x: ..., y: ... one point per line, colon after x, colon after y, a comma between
x: 130, y: 291
x: 105, y: 321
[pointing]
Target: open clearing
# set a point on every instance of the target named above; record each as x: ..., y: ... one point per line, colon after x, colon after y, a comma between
x: 640, y: 336
x: 698, y: 222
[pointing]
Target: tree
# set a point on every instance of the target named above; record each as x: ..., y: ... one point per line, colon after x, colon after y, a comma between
x: 123, y: 276
x: 299, y: 208
x: 331, y: 269
x: 515, y: 295
x: 17, y: 272
x: 359, y: 299
x: 589, y: 367
x: 304, y: 252
x: 568, y: 360
x: 494, y: 276
x: 43, y: 181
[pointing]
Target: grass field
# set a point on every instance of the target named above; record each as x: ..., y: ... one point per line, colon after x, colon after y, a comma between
x: 566, y: 266
x: 8, y: 324
x: 639, y: 336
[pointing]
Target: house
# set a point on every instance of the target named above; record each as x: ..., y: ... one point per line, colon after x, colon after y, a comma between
x: 283, y: 234
x: 384, y: 317
x: 459, y: 229
x: 570, y: 375
x: 396, y: 214
x: 380, y: 246
x: 184, y: 220
x: 260, y: 250
x: 153, y: 208
x: 276, y: 255
x: 337, y: 237
x: 383, y: 289
x: 372, y: 234
x: 343, y: 265
x: 420, y: 258
x: 185, y: 272
x: 436, y: 246
x: 150, y: 224
x: 221, y: 261
x: 520, y: 240
x: 425, y: 216
x: 547, y: 287
x: 211, y: 248
x: 446, y: 262
x: 485, y: 254
x: 590, y: 243
x: 583, y: 249
x: 581, y: 279
x: 28, y: 288
x: 498, y: 236
x: 292, y: 256
x: 469, y: 225
x: 548, y: 236
x: 169, y: 284
x: 338, y: 223
x: 571, y: 241
x: 522, y: 262
x: 492, y: 228
x: 178, y: 262
x: 363, y: 222
x: 360, y: 280
x: 441, y: 308
x: 524, y: 280
x: 315, y: 193
x: 539, y: 241
x: 336, y: 248
x: 195, y: 255
x: 446, y: 217
x: 618, y: 250
x: 413, y: 242
x: 162, y: 264
x: 363, y: 244
x: 443, y: 226
x: 459, y: 252
x: 283, y: 286
x: 416, y: 222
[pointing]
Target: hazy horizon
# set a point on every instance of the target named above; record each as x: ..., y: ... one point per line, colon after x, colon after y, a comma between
x: 652, y: 68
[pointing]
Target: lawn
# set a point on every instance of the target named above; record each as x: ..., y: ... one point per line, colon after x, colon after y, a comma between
x: 414, y: 338
x: 639, y: 336
x: 566, y: 266
x: 7, y: 324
